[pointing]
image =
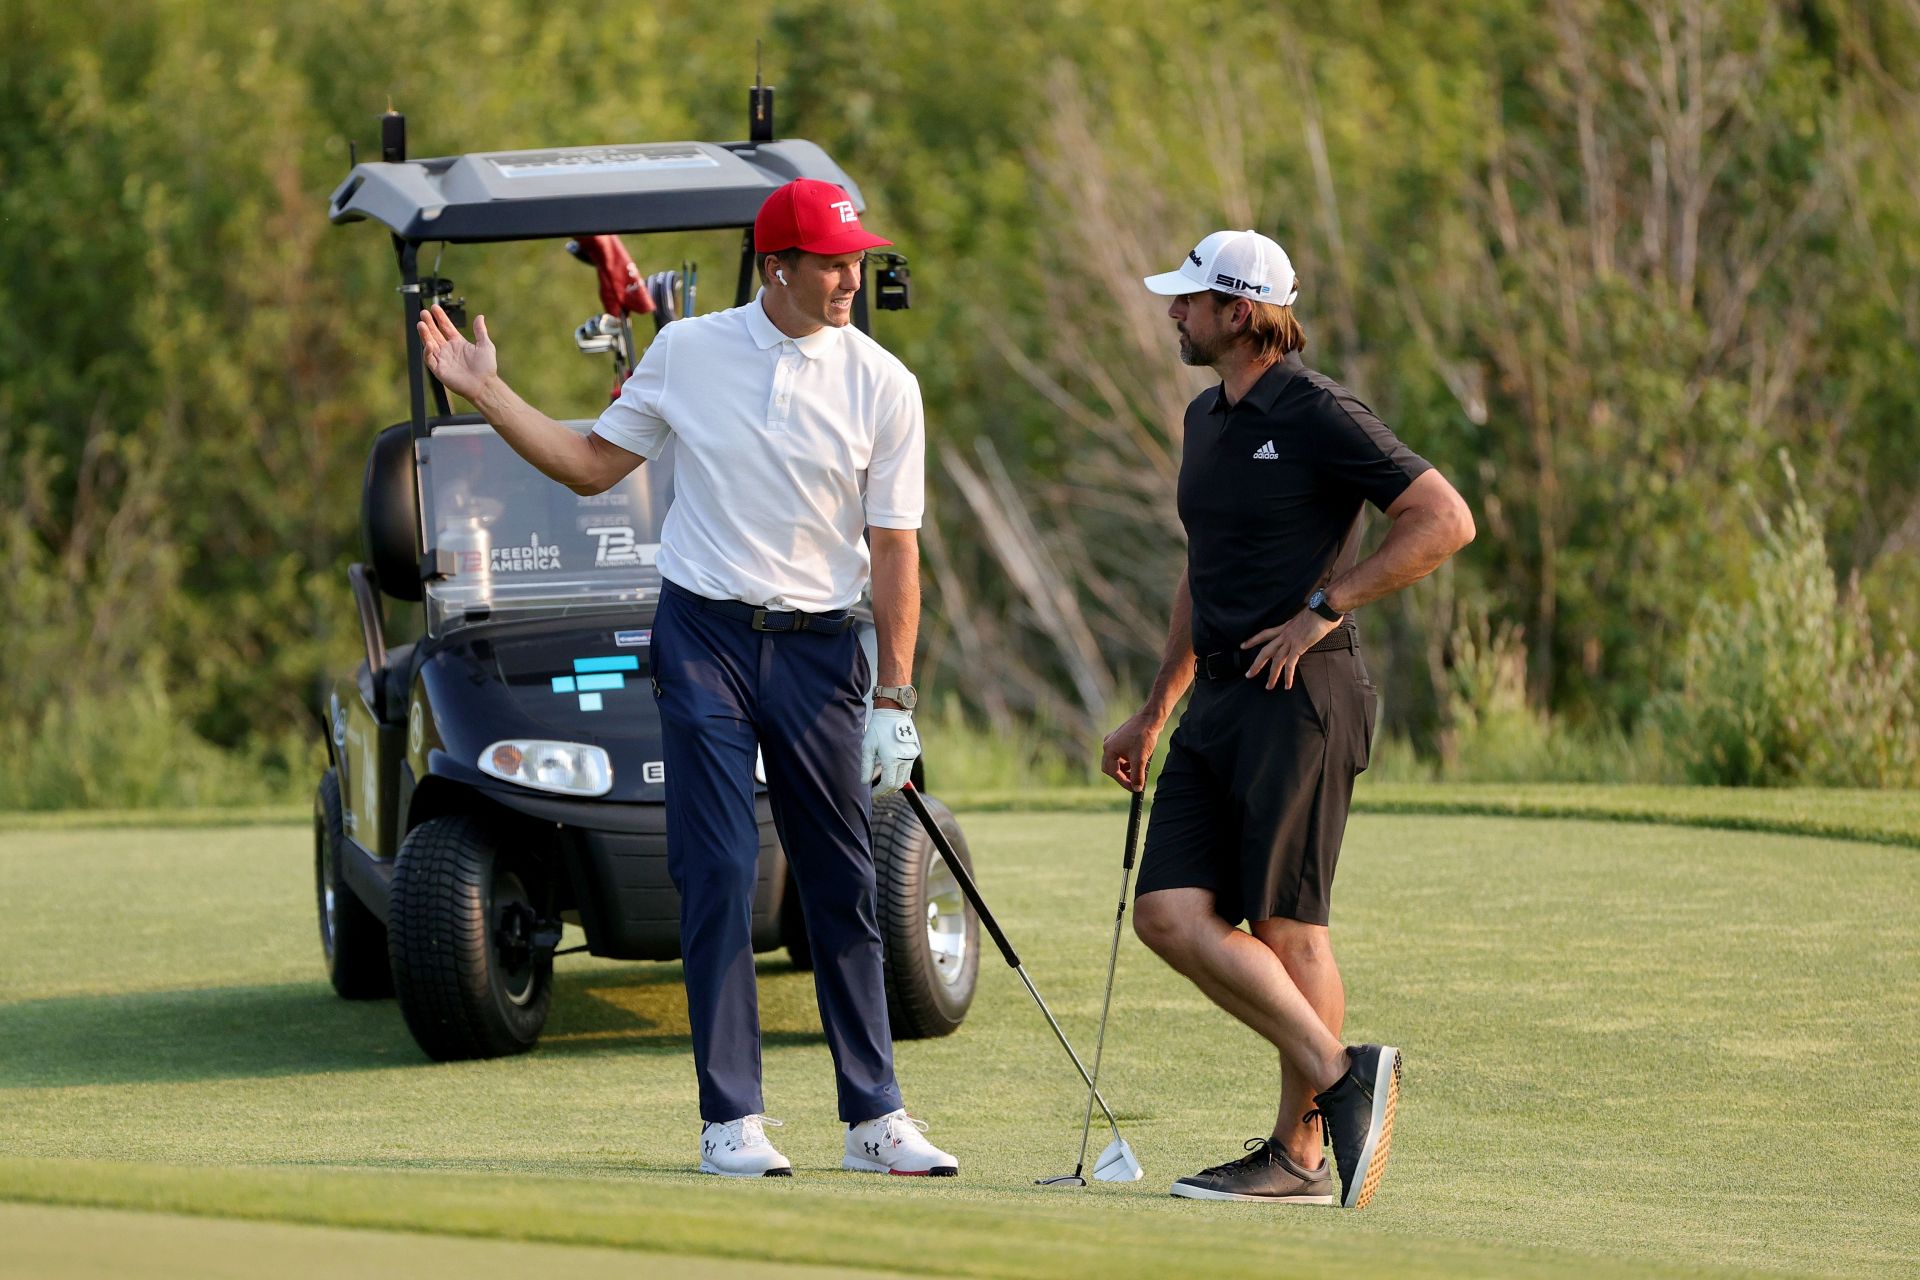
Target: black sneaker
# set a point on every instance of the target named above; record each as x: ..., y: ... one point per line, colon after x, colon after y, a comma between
x: 1267, y: 1174
x: 1357, y: 1114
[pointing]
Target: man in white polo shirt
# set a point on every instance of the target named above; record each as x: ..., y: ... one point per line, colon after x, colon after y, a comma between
x: 799, y: 438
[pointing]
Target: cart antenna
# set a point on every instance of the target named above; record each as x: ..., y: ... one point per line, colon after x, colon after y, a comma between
x: 393, y: 135
x: 759, y: 104
x: 353, y: 153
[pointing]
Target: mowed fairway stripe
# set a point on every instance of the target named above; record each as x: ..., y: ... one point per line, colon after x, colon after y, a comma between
x: 1619, y: 1039
x: 47, y: 1243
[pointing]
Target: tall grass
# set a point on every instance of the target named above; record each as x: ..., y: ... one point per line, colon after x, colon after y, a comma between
x: 134, y: 750
x: 1790, y: 686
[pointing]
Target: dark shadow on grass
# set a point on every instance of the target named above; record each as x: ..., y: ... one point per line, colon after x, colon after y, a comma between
x: 297, y: 1029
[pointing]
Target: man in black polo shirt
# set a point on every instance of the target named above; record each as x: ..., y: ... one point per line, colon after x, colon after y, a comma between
x: 1252, y: 798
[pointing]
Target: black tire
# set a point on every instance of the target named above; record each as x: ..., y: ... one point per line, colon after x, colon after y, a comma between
x: 793, y: 928
x: 352, y: 938
x: 459, y: 921
x: 927, y: 994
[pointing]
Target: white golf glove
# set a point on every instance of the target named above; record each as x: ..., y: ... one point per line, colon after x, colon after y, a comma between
x: 890, y: 749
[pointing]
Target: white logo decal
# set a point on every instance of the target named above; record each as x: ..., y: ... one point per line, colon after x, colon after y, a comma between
x: 653, y: 771
x: 1265, y: 452
x: 845, y: 209
x: 536, y: 555
x: 618, y: 549
x: 416, y: 730
x: 632, y: 639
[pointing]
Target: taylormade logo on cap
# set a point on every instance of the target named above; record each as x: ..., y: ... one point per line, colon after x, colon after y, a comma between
x: 1245, y: 264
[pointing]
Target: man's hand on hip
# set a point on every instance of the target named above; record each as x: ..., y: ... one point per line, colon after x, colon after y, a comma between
x: 1280, y: 647
x: 890, y: 749
x: 463, y: 367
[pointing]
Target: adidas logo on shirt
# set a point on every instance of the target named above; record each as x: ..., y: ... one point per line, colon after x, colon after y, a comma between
x: 1265, y: 453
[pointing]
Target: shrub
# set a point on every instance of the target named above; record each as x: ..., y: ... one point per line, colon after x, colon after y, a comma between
x: 1789, y: 687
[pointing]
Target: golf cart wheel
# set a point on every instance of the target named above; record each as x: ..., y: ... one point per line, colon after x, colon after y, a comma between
x: 461, y: 924
x: 932, y: 936
x: 352, y: 938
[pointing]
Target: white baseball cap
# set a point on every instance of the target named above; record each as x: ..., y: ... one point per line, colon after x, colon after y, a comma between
x: 1245, y: 264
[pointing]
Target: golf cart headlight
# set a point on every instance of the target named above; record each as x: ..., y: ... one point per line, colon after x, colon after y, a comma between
x: 570, y: 768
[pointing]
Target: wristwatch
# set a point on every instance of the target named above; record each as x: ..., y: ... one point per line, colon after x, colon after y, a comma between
x: 904, y: 694
x: 1318, y: 603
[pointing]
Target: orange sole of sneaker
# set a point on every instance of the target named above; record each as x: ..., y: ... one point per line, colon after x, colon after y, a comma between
x: 1377, y: 1167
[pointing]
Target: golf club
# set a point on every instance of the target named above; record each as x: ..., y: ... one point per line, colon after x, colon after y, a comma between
x: 1113, y: 957
x: 1117, y: 1163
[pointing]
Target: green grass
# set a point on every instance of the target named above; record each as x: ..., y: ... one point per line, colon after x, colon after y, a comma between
x: 1880, y: 817
x: 1631, y: 1049
x: 1883, y: 817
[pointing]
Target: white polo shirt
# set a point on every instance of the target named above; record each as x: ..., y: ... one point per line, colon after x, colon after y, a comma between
x: 787, y: 449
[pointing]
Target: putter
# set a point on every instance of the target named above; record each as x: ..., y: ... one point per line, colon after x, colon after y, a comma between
x: 1106, y: 1001
x: 1117, y: 1163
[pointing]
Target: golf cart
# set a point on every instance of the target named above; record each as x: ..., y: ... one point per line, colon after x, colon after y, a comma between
x: 501, y: 777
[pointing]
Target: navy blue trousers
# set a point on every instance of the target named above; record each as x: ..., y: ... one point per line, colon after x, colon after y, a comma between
x: 722, y: 688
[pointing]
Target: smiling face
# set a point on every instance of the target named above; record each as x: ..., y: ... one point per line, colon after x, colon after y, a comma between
x: 818, y: 292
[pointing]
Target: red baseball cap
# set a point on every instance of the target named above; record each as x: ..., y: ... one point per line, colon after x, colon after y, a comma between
x: 813, y: 216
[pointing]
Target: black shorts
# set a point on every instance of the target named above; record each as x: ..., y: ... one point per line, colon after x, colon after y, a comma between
x: 1252, y: 799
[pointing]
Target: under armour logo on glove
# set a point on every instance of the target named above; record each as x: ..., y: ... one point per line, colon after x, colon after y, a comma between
x: 891, y: 747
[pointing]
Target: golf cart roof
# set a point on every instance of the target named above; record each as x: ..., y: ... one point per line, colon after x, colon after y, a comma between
x: 572, y: 191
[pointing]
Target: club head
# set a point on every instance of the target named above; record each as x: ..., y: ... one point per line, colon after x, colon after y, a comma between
x: 1064, y: 1180
x: 1117, y: 1163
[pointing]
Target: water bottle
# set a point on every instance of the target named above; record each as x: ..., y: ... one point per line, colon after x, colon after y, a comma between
x: 469, y: 581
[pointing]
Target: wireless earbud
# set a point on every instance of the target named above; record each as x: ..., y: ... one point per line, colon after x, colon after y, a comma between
x: 781, y: 276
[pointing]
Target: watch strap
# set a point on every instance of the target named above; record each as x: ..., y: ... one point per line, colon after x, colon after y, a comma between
x: 904, y: 694
x: 1318, y: 603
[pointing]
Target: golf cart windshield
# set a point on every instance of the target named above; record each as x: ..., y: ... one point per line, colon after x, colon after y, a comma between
x: 515, y: 545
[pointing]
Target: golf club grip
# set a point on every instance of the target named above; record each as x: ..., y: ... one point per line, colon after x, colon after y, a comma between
x: 959, y: 871
x: 1134, y: 811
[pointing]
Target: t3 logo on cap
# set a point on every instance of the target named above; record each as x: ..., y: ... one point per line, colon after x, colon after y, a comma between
x: 813, y: 216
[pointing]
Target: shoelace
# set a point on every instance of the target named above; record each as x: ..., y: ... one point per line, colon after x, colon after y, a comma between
x: 1326, y: 1129
x: 748, y: 1131
x: 904, y: 1118
x: 1257, y: 1147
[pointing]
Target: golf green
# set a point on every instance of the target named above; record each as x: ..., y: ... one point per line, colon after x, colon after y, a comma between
x: 1630, y: 1049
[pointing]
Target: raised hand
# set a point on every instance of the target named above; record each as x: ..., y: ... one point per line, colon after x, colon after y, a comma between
x: 463, y: 367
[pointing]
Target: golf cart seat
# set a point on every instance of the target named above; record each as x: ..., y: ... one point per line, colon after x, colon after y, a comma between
x: 388, y: 506
x: 390, y: 513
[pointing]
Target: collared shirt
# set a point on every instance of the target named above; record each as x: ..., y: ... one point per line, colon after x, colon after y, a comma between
x: 1270, y: 494
x: 785, y: 450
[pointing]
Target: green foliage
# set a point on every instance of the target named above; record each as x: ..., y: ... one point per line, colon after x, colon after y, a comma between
x: 133, y: 749
x: 1495, y: 733
x: 1595, y: 261
x: 1790, y: 685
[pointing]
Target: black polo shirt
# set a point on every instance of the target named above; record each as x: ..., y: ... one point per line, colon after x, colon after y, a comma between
x: 1270, y: 494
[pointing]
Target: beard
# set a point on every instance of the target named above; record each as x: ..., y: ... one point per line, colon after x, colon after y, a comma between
x: 1198, y: 354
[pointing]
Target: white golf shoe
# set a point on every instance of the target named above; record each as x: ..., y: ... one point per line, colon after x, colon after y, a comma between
x: 739, y: 1149
x: 892, y: 1144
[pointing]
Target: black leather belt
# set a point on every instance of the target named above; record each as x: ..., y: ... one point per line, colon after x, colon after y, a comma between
x: 759, y: 619
x: 1218, y: 666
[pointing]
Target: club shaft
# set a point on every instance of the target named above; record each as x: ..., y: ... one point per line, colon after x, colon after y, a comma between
x: 1065, y: 1044
x: 964, y: 879
x: 1113, y: 959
